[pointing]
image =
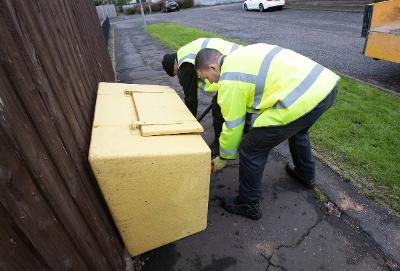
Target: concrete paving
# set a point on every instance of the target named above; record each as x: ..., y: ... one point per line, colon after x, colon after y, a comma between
x: 296, y: 231
x: 330, y: 38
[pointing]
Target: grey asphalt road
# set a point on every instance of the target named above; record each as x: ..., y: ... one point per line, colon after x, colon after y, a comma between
x: 330, y: 38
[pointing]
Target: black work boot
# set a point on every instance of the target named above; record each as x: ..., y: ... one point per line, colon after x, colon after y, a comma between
x: 235, y: 206
x: 310, y: 184
x: 214, y: 146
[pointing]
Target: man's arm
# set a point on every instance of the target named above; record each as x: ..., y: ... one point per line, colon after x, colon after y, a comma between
x: 233, y: 107
x: 188, y: 79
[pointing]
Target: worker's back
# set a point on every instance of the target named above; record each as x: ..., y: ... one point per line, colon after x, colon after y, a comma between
x: 279, y: 84
x: 188, y: 52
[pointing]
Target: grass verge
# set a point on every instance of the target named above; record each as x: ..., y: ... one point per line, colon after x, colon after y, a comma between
x: 359, y: 136
x: 175, y: 36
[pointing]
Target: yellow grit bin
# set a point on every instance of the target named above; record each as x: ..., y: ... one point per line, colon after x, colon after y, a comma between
x: 151, y: 164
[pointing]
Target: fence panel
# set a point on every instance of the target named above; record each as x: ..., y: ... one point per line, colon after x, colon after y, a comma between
x: 52, y: 57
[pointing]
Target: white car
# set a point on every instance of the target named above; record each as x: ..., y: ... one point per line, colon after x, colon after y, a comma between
x: 262, y: 5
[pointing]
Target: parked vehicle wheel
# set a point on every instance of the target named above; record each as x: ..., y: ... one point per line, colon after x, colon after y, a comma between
x: 245, y: 7
x: 177, y: 9
x: 279, y: 8
x: 261, y: 8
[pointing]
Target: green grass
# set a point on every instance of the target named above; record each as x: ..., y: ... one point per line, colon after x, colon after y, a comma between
x: 175, y: 36
x: 320, y: 196
x: 359, y: 135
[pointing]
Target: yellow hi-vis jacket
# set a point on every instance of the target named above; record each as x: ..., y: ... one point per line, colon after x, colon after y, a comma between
x: 275, y: 84
x: 188, y: 54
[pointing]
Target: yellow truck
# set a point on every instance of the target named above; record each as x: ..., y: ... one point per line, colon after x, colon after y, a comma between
x: 381, y: 28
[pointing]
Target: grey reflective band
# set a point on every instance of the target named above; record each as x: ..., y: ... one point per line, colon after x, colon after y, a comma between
x: 255, y: 115
x: 234, y: 48
x: 203, y: 84
x: 295, y: 94
x: 233, y: 123
x: 262, y: 75
x: 239, y: 76
x: 227, y: 151
x: 205, y: 43
x: 188, y: 56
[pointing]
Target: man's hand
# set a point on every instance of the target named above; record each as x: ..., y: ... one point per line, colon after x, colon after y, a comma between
x: 218, y: 164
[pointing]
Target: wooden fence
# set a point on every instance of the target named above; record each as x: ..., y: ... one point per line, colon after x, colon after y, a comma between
x: 53, y: 217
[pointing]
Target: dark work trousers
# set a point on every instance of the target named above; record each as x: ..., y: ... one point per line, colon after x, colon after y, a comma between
x: 218, y: 119
x: 188, y: 79
x: 255, y: 147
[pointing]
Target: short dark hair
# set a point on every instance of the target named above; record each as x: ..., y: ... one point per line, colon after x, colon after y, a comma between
x: 206, y: 57
x: 168, y: 63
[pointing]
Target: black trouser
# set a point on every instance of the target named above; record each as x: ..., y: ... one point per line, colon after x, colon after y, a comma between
x: 255, y: 148
x: 218, y: 119
x: 191, y: 100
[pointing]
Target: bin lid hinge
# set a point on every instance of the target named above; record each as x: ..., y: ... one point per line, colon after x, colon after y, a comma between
x: 130, y: 92
x: 135, y: 124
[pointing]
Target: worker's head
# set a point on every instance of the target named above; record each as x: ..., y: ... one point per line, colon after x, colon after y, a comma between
x: 170, y: 64
x: 208, y: 64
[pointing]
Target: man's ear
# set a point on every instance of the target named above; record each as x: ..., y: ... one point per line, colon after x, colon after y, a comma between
x: 214, y: 67
x: 176, y: 67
